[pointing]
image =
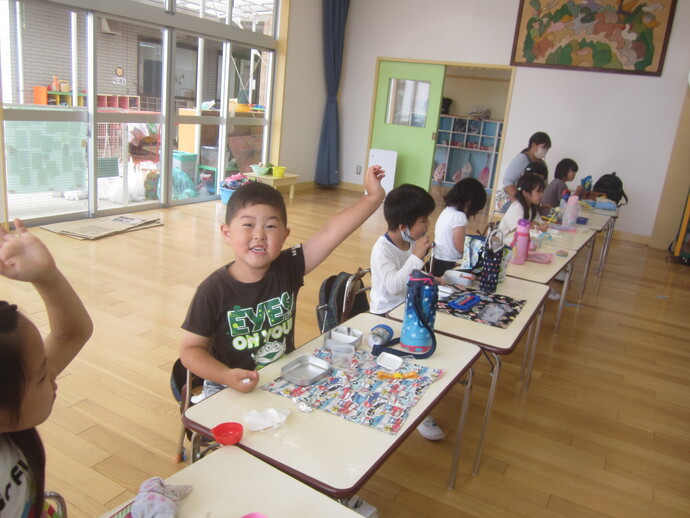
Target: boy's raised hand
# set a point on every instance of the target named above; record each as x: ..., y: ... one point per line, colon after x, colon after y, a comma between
x: 24, y: 257
x: 372, y: 181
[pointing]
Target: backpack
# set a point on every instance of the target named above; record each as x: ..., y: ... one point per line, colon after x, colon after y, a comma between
x: 611, y: 186
x: 333, y: 308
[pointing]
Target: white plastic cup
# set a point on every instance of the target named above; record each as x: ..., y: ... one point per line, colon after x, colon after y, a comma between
x: 342, y: 355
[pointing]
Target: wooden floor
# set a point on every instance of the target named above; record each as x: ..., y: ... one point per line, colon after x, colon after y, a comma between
x: 603, y: 431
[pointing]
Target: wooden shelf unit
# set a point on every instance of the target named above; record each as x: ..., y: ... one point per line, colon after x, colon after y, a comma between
x: 44, y: 96
x: 123, y: 102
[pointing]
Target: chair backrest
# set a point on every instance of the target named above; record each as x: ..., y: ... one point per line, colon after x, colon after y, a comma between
x: 341, y: 296
x: 180, y: 379
x: 60, y: 504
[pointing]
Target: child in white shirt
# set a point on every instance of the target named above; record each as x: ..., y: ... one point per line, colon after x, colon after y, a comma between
x: 396, y: 253
x: 463, y: 201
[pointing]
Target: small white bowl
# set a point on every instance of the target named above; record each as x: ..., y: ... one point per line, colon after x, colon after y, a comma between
x: 444, y: 292
x: 458, y: 278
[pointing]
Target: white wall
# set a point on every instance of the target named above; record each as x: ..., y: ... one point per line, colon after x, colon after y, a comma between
x: 305, y: 90
x: 607, y: 122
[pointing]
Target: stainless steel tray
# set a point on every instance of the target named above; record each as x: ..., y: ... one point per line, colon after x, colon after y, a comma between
x: 305, y: 370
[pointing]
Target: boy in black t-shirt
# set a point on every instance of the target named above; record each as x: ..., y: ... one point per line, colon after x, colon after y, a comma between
x: 242, y: 316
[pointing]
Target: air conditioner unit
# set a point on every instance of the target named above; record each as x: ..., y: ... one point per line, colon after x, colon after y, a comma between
x: 105, y: 27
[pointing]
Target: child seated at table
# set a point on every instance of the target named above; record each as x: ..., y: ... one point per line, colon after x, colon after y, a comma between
x: 242, y: 316
x: 396, y: 253
x: 463, y: 201
x: 530, y: 189
x: 29, y: 367
x: 565, y: 172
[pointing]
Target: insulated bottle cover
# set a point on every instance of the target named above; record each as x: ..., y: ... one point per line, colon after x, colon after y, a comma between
x: 521, y: 242
x: 420, y: 308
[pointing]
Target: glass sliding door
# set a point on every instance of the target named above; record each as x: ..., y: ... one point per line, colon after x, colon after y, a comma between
x: 133, y: 107
x: 44, y: 114
x: 128, y: 115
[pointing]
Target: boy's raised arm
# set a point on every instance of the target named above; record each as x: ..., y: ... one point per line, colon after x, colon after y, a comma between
x: 336, y: 229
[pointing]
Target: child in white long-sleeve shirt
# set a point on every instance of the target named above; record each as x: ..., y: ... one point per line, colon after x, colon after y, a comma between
x: 396, y: 253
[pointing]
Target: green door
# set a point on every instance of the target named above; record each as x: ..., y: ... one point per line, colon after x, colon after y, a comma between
x: 408, y: 103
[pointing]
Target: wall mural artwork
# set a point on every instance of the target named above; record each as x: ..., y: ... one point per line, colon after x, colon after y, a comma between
x: 598, y: 35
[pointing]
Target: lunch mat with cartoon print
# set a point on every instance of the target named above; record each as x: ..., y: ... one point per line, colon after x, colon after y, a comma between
x: 366, y: 394
x: 492, y: 309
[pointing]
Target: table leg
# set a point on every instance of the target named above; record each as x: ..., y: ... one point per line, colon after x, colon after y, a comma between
x: 495, y: 370
x: 461, y: 427
x: 607, y: 244
x: 533, y: 349
x: 566, y: 282
x: 589, y: 261
x: 292, y: 190
x: 525, y: 355
x: 603, y: 249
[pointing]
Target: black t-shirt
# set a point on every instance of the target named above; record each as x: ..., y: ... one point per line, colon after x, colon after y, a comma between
x: 249, y: 324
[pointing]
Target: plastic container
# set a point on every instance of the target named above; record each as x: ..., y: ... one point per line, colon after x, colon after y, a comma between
x: 209, y: 156
x: 225, y: 195
x: 278, y: 171
x: 227, y: 433
x: 571, y: 212
x: 521, y: 242
x: 342, y: 355
x: 260, y: 170
x: 186, y: 162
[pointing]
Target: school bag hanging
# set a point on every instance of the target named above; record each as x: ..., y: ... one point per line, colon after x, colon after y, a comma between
x: 472, y: 254
x: 417, y: 334
x: 493, y: 254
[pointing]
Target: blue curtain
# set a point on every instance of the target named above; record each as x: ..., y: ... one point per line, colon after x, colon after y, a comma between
x: 334, y: 18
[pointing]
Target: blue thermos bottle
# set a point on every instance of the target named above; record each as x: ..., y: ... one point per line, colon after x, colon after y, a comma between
x: 420, y: 308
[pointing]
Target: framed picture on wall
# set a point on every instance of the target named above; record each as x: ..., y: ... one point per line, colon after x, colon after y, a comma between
x: 623, y: 36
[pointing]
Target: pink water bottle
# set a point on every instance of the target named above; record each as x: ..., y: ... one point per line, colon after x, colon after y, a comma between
x: 521, y: 242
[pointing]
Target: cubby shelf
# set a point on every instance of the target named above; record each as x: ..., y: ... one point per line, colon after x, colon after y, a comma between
x: 42, y: 95
x: 461, y: 140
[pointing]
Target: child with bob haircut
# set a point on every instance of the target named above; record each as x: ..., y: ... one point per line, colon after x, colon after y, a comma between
x: 530, y: 188
x: 396, y: 253
x: 463, y: 201
x: 565, y: 172
x: 29, y: 366
x: 242, y: 316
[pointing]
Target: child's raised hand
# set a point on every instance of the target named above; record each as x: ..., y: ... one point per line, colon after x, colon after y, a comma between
x: 372, y: 181
x: 24, y: 257
x: 243, y: 380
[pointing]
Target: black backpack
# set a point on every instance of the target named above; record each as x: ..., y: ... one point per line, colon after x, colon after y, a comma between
x: 333, y: 306
x: 612, y: 187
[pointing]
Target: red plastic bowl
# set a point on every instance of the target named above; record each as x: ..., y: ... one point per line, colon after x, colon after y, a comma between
x: 227, y: 433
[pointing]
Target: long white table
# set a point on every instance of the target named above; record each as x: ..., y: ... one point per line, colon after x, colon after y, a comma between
x: 576, y: 241
x: 497, y: 341
x: 231, y: 482
x: 327, y: 452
